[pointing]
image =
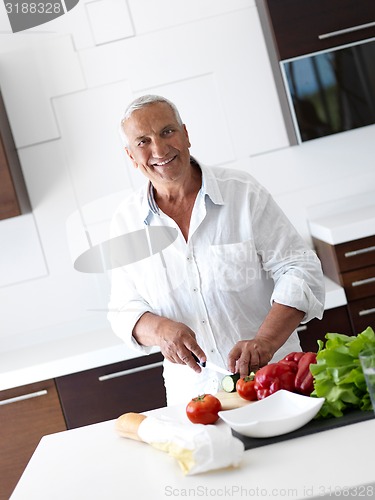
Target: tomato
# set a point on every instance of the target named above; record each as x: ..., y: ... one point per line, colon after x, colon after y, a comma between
x: 203, y: 409
x: 245, y: 388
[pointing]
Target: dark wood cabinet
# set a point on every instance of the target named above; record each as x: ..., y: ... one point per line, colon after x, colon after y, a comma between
x: 362, y: 313
x: 305, y: 26
x: 351, y: 264
x: 13, y: 195
x: 32, y: 411
x: 335, y: 320
x: 27, y: 414
x: 104, y: 393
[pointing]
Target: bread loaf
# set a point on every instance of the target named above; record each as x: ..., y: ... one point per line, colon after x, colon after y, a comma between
x: 127, y: 425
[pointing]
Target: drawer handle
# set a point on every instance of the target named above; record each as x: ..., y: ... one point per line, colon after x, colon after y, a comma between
x: 24, y: 397
x: 365, y: 312
x: 346, y: 30
x: 301, y: 328
x: 363, y: 282
x: 361, y: 251
x: 103, y: 378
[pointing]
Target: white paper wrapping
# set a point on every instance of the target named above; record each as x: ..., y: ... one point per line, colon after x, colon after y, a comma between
x: 197, y: 447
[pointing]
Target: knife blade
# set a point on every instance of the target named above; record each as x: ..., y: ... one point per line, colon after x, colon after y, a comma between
x: 212, y: 366
x: 216, y: 368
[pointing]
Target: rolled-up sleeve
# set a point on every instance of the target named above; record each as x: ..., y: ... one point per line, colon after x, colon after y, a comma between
x: 301, y: 287
x: 293, y: 266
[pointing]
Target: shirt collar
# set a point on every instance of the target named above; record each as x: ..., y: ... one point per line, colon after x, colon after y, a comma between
x: 209, y: 187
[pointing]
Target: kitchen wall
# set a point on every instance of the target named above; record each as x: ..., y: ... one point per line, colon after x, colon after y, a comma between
x: 65, y: 85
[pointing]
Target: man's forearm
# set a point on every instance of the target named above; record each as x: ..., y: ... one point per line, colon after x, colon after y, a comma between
x: 147, y: 329
x: 279, y: 324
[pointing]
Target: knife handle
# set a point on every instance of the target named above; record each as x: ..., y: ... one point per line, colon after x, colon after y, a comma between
x: 202, y: 364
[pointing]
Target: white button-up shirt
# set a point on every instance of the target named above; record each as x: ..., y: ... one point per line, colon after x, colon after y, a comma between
x: 242, y: 254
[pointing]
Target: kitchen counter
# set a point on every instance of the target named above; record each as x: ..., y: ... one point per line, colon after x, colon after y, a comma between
x: 94, y: 462
x: 343, y: 220
x: 46, y: 360
x: 43, y: 361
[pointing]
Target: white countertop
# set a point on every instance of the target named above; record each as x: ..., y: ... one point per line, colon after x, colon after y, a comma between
x: 94, y: 462
x: 43, y: 361
x: 343, y: 220
x: 60, y: 357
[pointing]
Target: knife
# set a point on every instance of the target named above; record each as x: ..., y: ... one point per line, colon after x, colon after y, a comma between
x: 212, y: 366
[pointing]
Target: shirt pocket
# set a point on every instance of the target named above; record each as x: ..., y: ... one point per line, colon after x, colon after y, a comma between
x: 235, y: 266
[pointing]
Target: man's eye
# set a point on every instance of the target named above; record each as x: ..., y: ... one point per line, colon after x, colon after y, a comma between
x: 168, y: 131
x: 141, y: 143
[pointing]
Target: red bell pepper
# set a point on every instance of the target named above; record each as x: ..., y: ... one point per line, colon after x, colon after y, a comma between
x: 293, y: 356
x: 273, y: 377
x: 304, y: 381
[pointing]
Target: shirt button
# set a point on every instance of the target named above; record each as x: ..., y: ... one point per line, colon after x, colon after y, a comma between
x: 203, y: 321
x: 195, y: 289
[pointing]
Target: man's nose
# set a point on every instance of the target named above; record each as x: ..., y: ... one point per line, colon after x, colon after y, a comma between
x: 159, y: 148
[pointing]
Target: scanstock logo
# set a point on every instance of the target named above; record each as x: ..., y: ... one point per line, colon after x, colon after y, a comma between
x: 25, y: 14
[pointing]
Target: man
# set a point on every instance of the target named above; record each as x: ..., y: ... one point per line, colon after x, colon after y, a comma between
x: 235, y: 283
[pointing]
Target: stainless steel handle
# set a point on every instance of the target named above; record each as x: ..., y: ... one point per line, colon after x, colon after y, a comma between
x: 361, y: 251
x: 363, y: 282
x: 346, y: 30
x: 365, y: 312
x: 103, y: 378
x: 24, y: 397
x: 301, y: 328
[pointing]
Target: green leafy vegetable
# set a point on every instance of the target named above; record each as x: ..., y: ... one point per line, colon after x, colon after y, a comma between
x: 338, y: 376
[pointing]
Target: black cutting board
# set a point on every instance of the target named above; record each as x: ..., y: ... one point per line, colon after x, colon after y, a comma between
x: 315, y: 425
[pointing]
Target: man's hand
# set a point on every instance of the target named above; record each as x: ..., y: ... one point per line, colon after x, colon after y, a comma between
x: 177, y: 343
x: 176, y: 340
x: 249, y: 355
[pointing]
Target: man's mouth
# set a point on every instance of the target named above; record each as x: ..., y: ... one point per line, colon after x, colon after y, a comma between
x: 163, y: 163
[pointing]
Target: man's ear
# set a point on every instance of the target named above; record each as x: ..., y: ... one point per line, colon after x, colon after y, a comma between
x: 187, y: 135
x: 128, y: 152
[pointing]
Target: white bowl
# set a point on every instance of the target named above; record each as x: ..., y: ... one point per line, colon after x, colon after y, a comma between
x: 274, y: 415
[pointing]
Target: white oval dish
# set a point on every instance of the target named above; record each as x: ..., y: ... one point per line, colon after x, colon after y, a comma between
x: 279, y: 413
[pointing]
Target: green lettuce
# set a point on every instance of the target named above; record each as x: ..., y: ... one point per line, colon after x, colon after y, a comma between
x: 338, y: 376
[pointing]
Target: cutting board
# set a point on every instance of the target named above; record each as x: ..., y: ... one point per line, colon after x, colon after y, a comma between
x: 231, y: 400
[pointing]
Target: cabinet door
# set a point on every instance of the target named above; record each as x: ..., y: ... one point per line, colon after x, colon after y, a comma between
x: 9, y: 206
x: 27, y: 414
x: 362, y: 313
x: 107, y: 392
x: 306, y: 26
x: 13, y: 195
x: 334, y: 320
x: 360, y: 283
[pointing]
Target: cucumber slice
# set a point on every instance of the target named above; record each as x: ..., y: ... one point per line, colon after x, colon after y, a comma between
x: 229, y: 382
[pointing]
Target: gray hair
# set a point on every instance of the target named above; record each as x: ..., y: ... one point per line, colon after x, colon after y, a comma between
x: 142, y: 102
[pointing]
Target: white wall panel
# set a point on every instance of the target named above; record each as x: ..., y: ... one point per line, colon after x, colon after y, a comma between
x: 246, y: 90
x: 202, y: 111
x: 21, y: 252
x: 150, y: 15
x: 245, y: 82
x: 89, y: 124
x: 59, y: 297
x: 110, y: 20
x: 75, y: 23
x: 52, y: 198
x: 29, y: 78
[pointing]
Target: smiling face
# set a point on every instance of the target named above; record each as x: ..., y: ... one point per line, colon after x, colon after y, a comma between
x: 157, y: 144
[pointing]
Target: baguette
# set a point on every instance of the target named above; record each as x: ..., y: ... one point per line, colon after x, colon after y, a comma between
x: 127, y: 425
